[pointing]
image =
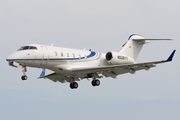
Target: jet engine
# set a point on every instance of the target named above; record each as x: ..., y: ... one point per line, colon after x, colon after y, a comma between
x: 115, y: 58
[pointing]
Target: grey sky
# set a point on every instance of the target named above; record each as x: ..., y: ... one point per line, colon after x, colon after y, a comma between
x: 102, y: 25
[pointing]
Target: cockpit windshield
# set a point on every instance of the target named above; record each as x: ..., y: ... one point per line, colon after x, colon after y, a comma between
x: 28, y: 48
x: 33, y: 48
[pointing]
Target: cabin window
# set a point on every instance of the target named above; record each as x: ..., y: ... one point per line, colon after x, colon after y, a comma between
x: 56, y: 54
x: 61, y: 54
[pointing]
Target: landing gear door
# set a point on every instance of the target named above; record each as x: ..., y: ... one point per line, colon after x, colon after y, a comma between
x: 45, y: 56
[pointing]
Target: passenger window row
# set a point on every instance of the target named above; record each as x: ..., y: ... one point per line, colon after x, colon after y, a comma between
x: 67, y: 55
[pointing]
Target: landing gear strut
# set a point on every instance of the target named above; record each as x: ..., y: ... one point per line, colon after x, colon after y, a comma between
x: 24, y: 77
x: 74, y: 85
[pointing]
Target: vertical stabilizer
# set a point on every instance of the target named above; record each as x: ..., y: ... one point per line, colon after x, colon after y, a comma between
x: 132, y: 48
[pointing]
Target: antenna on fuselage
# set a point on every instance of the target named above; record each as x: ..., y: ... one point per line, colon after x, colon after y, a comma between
x: 52, y: 44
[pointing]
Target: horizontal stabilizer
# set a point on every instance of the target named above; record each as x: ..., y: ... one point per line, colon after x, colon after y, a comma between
x: 150, y: 39
x: 171, y: 56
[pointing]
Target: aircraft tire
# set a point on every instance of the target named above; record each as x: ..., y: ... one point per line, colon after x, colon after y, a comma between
x: 75, y: 85
x: 97, y: 82
x: 93, y: 83
x: 24, y: 77
x: 71, y: 86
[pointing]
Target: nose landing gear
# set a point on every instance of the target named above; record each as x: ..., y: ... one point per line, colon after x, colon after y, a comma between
x: 24, y: 70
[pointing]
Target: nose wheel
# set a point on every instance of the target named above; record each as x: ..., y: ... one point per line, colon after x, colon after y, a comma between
x: 24, y: 70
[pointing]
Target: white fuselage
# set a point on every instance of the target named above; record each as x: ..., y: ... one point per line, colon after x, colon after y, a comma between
x: 58, y: 59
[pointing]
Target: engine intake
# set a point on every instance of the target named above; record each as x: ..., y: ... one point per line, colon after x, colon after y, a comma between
x: 109, y: 56
x: 116, y: 58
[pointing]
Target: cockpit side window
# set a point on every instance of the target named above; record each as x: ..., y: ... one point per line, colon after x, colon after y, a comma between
x: 28, y: 48
x: 24, y: 48
x: 33, y: 48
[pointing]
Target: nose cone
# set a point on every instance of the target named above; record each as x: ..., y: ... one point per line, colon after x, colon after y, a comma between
x: 19, y: 55
x: 10, y: 58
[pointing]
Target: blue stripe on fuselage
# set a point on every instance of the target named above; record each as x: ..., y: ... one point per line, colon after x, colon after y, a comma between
x: 89, y: 56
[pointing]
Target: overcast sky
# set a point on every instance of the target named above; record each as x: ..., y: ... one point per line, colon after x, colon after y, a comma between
x: 103, y: 26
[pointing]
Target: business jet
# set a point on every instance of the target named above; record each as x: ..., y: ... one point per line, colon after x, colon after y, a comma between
x: 72, y: 65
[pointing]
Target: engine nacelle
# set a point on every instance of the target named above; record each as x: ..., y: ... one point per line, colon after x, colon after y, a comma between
x: 116, y: 58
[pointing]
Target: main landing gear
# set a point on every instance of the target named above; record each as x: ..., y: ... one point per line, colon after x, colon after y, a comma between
x: 24, y: 77
x: 95, y: 82
x: 74, y: 85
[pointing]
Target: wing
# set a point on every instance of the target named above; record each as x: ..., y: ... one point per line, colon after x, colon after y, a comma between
x: 107, y: 71
x: 114, y: 71
x: 57, y: 77
x: 54, y: 77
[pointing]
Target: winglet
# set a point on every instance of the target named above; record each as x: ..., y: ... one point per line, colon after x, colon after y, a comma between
x: 171, y: 56
x: 42, y: 73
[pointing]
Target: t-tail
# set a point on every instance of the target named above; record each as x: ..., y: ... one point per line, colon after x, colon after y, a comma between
x: 134, y: 45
